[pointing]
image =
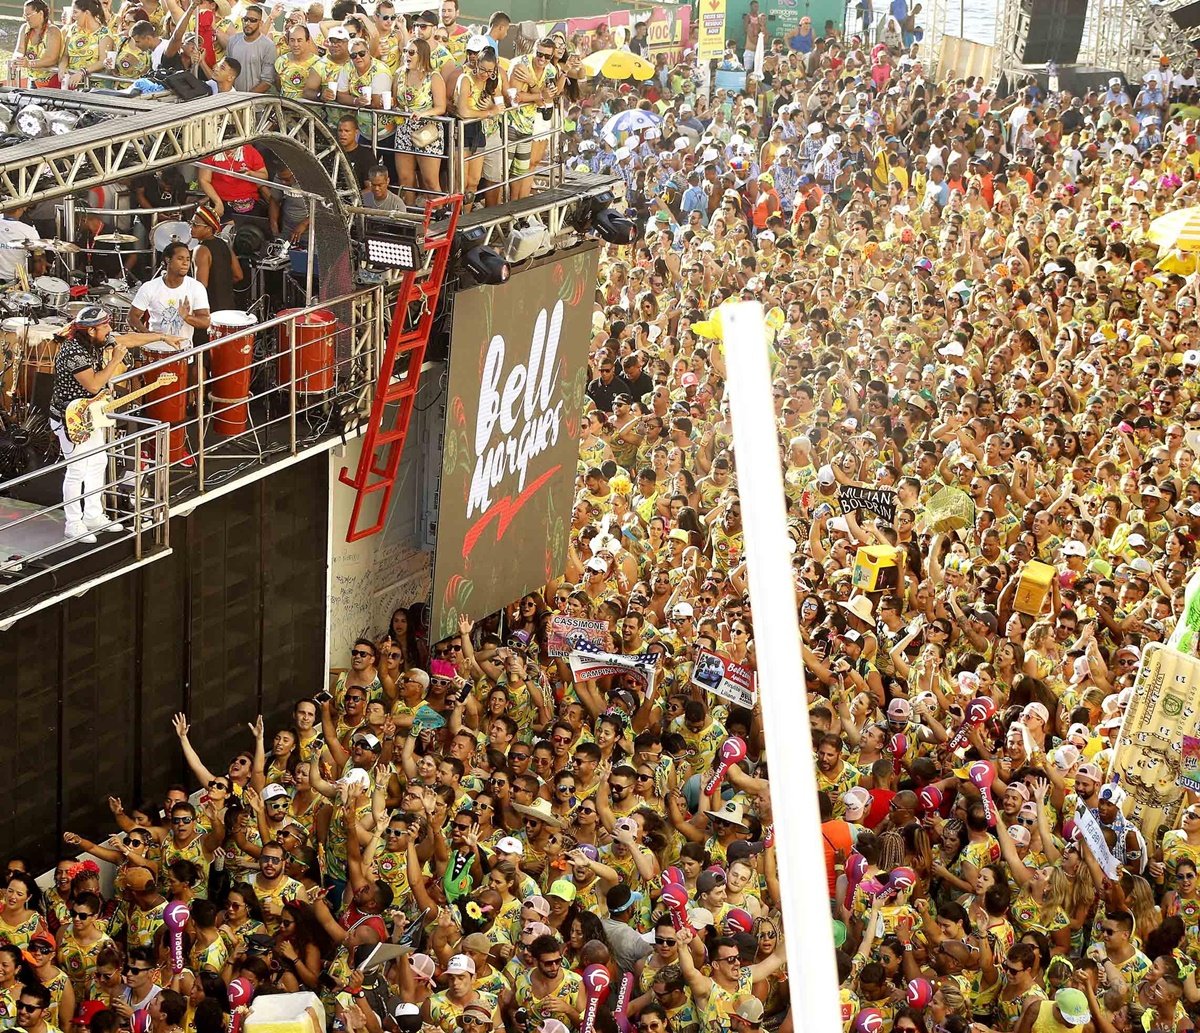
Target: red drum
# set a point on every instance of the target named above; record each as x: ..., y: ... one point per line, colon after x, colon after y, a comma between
x: 169, y: 403
x: 315, y: 357
x: 229, y: 391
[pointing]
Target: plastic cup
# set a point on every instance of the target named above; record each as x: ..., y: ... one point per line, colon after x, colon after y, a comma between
x: 366, y: 94
x: 386, y: 100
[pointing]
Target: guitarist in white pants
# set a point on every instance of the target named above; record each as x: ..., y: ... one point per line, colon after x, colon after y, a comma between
x: 80, y: 372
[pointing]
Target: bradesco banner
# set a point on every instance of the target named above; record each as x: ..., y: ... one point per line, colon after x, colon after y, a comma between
x: 518, y: 369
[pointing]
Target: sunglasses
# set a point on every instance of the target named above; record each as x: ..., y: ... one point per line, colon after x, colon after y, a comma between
x: 663, y: 941
x: 132, y: 970
x: 359, y: 652
x: 182, y: 821
x: 359, y: 53
x: 81, y: 916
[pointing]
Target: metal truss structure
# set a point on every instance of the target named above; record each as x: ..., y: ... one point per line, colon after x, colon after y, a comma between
x: 1125, y: 36
x: 155, y: 136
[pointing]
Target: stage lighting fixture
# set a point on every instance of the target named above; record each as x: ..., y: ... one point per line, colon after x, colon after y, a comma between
x: 615, y: 227
x: 526, y: 241
x: 486, y: 264
x: 393, y: 247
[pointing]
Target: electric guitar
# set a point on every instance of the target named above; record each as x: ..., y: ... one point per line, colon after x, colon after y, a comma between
x: 85, y: 416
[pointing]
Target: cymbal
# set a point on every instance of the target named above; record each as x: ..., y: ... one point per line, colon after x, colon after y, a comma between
x: 116, y: 238
x: 63, y: 246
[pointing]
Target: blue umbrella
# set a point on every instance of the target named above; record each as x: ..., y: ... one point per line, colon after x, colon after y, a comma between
x: 632, y: 121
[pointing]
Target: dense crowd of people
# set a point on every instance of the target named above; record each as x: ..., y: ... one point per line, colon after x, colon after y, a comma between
x: 961, y: 294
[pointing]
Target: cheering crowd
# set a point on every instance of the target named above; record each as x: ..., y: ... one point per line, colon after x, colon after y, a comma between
x: 962, y: 294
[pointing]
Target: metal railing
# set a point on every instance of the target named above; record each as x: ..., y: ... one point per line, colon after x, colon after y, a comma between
x: 134, y: 496
x: 247, y: 398
x: 256, y: 393
x: 452, y: 129
x: 453, y: 132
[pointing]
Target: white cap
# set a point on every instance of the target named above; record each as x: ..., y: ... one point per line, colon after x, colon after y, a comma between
x: 272, y: 791
x: 1073, y: 547
x: 510, y: 845
x: 459, y: 965
x: 682, y: 610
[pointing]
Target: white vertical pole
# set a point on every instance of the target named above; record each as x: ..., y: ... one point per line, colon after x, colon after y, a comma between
x: 807, y: 923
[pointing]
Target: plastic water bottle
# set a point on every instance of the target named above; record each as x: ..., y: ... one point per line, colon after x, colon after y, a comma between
x: 1052, y: 76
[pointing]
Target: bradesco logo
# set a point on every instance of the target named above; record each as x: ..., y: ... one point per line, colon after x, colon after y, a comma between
x: 528, y: 411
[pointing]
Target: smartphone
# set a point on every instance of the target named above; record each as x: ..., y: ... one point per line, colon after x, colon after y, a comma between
x: 323, y: 697
x: 824, y: 509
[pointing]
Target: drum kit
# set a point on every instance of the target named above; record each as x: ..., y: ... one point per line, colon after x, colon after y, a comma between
x: 33, y: 311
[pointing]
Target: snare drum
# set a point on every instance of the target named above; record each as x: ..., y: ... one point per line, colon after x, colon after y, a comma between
x: 169, y: 403
x: 117, y: 306
x: 231, y: 369
x: 55, y: 293
x: 315, y: 334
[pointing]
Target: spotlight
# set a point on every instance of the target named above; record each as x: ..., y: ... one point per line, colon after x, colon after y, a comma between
x: 392, y: 248
x: 486, y: 264
x: 615, y: 227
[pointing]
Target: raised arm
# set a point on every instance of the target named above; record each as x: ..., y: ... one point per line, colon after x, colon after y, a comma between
x: 198, y: 768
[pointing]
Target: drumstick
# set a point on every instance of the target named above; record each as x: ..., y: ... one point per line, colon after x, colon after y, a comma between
x: 24, y: 278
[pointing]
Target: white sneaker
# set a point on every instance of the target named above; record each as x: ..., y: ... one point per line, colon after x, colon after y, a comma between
x: 101, y: 523
x: 78, y: 532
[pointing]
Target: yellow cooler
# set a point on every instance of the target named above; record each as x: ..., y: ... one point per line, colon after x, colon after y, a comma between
x: 876, y: 568
x: 1033, y: 587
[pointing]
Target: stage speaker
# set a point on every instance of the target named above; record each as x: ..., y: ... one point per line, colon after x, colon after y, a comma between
x: 1187, y: 17
x: 1055, y: 30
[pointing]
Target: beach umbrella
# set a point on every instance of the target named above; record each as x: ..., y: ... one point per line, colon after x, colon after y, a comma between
x: 618, y: 65
x: 632, y: 121
x: 1180, y: 230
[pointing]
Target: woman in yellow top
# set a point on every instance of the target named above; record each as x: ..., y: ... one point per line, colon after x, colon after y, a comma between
x: 420, y: 90
x: 39, y: 46
x: 87, y: 43
x: 477, y: 101
x: 131, y: 61
x: 19, y: 921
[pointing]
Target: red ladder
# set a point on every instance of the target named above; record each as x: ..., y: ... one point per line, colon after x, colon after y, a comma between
x: 383, y: 446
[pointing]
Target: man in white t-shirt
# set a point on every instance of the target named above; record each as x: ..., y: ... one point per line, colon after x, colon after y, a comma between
x: 174, y: 301
x: 12, y: 232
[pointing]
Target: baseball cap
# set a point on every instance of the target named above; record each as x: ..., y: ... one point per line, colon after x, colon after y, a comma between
x: 88, y: 1010
x: 621, y: 898
x: 1037, y: 710
x: 407, y: 1016
x: 338, y: 32
x: 1073, y: 1006
x: 706, y: 882
x: 510, y: 845
x: 423, y: 967
x: 682, y: 610
x: 477, y: 44
x: 538, y: 903
x: 750, y: 1009
x: 1072, y: 547
x: 367, y: 739
x: 459, y: 965
x: 564, y: 889
x: 1089, y: 771
x: 273, y: 791
x: 1019, y: 834
x: 900, y: 709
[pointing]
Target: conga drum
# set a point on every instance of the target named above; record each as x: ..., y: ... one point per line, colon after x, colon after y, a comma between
x: 37, y: 359
x: 315, y: 333
x: 14, y: 334
x: 230, y: 388
x: 169, y: 403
